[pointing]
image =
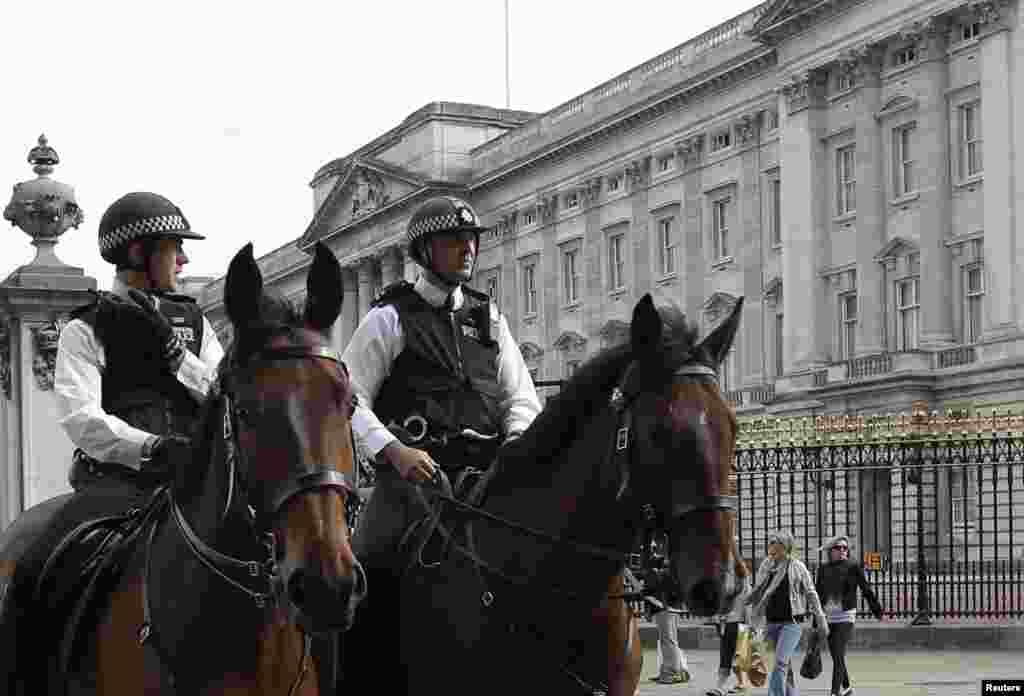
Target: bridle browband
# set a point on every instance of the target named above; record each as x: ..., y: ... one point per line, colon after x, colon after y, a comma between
x: 318, y: 477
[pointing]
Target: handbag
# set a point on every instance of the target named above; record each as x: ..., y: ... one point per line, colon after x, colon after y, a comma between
x: 811, y: 666
x: 758, y: 671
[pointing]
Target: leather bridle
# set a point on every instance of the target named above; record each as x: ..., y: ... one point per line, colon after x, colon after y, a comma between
x: 318, y: 477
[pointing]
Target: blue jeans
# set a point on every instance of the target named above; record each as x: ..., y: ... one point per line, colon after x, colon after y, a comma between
x: 786, y: 637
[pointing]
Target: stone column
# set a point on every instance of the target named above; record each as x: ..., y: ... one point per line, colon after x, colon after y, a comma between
x: 693, y: 263
x: 349, y: 319
x: 1001, y: 125
x: 804, y: 163
x: 933, y: 185
x: 640, y: 230
x: 749, y: 345
x: 366, y: 273
x: 866, y: 66
x: 392, y: 268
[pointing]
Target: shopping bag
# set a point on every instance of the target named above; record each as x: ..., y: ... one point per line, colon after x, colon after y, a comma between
x: 811, y: 667
x: 741, y: 660
x: 757, y: 673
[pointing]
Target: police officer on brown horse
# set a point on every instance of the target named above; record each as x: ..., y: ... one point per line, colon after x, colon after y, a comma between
x: 132, y: 368
x: 434, y: 361
x: 134, y: 365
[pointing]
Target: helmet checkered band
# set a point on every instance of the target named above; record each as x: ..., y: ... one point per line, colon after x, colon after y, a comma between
x: 147, y: 227
x: 436, y: 223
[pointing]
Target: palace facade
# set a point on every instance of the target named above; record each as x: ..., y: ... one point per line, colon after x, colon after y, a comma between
x: 847, y: 166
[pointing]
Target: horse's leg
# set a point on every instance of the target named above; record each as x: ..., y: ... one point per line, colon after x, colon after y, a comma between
x: 625, y: 654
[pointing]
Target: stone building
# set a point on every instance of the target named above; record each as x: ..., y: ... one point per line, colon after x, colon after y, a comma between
x: 847, y: 166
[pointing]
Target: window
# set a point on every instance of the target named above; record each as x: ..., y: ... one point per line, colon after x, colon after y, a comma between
x: 908, y: 311
x: 530, y: 288
x: 961, y: 497
x: 775, y: 212
x: 904, y: 56
x: 570, y: 275
x: 614, y: 183
x: 846, y: 180
x: 847, y: 325
x: 529, y: 217
x: 720, y: 210
x: 666, y: 246
x: 666, y: 163
x: 721, y: 140
x: 970, y: 31
x: 779, y: 336
x: 974, y: 294
x: 616, y: 262
x: 903, y: 160
x: 572, y: 200
x: 970, y: 140
x: 726, y: 372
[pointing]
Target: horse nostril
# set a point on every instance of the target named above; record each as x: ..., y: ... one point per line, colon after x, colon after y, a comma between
x: 297, y: 588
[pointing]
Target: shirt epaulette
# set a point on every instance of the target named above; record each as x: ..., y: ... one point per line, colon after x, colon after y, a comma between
x: 392, y: 293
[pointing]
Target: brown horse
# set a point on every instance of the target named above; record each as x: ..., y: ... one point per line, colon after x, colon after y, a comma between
x: 640, y: 437
x: 618, y: 622
x: 249, y: 556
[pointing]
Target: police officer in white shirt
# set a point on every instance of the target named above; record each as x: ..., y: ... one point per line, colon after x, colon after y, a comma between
x: 134, y: 365
x: 435, y: 361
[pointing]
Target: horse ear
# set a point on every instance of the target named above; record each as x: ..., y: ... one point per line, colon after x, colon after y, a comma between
x: 324, y: 291
x: 646, y: 327
x: 243, y: 288
x: 718, y: 342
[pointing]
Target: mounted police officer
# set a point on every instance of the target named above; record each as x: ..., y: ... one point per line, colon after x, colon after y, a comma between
x: 434, y: 361
x: 134, y: 365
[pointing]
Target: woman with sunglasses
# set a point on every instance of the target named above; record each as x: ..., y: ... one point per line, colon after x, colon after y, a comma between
x: 837, y: 584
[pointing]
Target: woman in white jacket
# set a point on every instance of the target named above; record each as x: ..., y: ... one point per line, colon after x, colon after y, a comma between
x: 782, y: 599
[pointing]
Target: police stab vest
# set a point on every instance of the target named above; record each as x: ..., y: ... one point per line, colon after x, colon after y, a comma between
x: 447, y: 374
x: 137, y: 387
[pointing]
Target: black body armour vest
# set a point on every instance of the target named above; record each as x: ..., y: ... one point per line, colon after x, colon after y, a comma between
x: 448, y: 372
x: 137, y: 386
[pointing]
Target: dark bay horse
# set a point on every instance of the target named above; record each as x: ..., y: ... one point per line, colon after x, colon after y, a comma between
x: 640, y: 437
x: 248, y: 556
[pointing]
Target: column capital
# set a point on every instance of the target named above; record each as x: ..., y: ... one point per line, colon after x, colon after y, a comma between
x: 990, y: 14
x: 590, y: 190
x: 748, y: 126
x: 804, y: 89
x: 689, y: 150
x: 638, y: 170
x: 864, y: 63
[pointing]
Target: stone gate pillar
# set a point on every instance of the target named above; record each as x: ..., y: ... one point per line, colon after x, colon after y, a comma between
x: 35, y: 300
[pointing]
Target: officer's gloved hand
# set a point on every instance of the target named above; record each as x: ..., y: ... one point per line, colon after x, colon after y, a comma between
x: 172, y: 347
x: 165, y: 456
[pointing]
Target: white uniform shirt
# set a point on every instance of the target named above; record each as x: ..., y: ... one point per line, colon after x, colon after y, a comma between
x: 379, y: 340
x: 77, y: 384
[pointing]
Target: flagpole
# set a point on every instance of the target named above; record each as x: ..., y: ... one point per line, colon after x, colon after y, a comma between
x: 508, y: 100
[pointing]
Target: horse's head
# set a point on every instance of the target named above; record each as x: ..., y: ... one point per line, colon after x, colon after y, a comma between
x: 286, y: 405
x: 681, y: 434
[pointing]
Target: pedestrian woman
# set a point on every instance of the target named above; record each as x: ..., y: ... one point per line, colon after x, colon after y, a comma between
x: 731, y: 627
x: 662, y: 600
x: 783, y: 598
x: 837, y: 584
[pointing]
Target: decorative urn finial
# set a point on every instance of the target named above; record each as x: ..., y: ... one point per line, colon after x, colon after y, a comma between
x: 43, y: 208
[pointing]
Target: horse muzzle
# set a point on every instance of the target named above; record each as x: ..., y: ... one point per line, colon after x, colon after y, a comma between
x: 325, y: 603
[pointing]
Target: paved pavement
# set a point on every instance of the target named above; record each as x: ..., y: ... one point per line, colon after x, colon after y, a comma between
x: 873, y: 673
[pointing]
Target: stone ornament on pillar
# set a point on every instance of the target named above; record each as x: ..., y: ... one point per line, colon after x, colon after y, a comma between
x: 44, y: 359
x: 990, y: 14
x: 690, y: 149
x: 637, y: 171
x: 43, y: 208
x: 5, y: 359
x: 747, y: 127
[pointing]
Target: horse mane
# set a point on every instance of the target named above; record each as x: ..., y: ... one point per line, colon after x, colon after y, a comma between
x: 588, y: 389
x: 277, y: 316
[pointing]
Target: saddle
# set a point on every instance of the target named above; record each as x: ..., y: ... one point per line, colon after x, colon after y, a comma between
x: 55, y: 591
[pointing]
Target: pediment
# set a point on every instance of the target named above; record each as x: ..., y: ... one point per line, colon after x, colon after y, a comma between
x: 897, y: 247
x: 570, y: 340
x: 895, y: 105
x: 365, y: 187
x: 782, y: 18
